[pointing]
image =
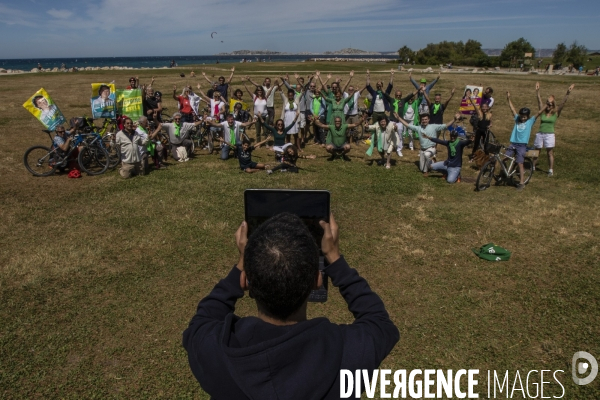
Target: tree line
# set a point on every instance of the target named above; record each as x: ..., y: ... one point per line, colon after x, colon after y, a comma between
x: 471, y: 54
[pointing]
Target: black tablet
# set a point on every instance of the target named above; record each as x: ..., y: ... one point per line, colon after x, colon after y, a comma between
x: 311, y: 206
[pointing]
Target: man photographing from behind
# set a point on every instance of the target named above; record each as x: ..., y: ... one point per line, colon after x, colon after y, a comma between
x: 279, y: 353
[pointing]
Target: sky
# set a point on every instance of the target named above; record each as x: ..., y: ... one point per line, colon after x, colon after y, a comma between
x: 121, y: 28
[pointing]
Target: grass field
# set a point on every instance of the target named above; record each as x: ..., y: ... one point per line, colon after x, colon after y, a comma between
x: 99, y: 276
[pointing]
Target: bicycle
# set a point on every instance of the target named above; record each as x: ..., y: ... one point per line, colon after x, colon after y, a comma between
x: 44, y: 161
x: 507, y: 173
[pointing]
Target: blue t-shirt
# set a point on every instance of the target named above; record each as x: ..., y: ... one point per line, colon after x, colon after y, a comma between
x: 522, y: 130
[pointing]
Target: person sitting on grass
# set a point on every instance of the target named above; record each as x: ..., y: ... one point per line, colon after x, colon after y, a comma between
x: 337, y: 140
x: 428, y: 150
x: 142, y: 130
x: 232, y: 133
x: 244, y: 152
x: 385, y: 134
x: 520, y: 137
x: 62, y: 143
x: 288, y: 160
x: 279, y: 353
x: 179, y: 135
x: 452, y: 166
x: 279, y: 132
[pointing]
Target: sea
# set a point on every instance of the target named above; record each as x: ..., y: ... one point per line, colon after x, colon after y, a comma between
x: 151, y: 62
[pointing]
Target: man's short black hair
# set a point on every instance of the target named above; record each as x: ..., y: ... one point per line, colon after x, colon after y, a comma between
x: 281, y: 262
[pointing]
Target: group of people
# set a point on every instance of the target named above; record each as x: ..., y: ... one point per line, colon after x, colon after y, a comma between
x: 330, y: 114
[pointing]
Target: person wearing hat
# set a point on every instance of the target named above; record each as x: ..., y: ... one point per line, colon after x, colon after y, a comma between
x: 134, y: 83
x: 423, y: 87
x: 520, y: 137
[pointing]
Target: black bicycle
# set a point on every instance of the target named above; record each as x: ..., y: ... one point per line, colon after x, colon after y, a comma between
x: 44, y: 161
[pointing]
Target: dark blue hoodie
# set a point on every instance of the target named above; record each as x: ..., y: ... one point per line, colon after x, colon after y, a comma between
x: 247, y: 358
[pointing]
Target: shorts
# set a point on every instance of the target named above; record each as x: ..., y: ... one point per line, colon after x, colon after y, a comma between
x: 302, y: 121
x: 252, y: 165
x: 544, y: 140
x: 338, y: 148
x: 520, y: 149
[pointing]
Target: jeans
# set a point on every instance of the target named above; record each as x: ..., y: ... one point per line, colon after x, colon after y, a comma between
x: 224, y: 152
x: 452, y: 172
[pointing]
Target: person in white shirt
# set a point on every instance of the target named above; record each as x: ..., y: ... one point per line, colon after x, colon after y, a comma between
x: 232, y: 133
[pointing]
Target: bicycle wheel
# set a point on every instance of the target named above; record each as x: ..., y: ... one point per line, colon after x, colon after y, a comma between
x: 209, y: 142
x: 40, y: 160
x: 94, y: 160
x: 114, y: 151
x: 484, y: 179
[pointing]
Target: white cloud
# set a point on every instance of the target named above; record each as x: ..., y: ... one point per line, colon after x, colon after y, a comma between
x: 60, y: 14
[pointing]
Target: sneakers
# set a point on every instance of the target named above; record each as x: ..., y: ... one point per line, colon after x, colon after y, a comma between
x: 399, y: 152
x: 269, y: 171
x: 387, y: 166
x: 533, y: 169
x: 380, y: 162
x: 411, y: 147
x: 520, y: 187
x: 346, y: 158
x: 550, y: 172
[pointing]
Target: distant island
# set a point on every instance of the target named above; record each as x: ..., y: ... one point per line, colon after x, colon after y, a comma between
x: 346, y: 51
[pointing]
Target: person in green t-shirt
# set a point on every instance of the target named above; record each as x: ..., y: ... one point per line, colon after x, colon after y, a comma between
x: 545, y: 136
x: 336, y: 141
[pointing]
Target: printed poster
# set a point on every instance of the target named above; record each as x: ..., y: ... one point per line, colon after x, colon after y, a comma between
x: 103, y: 100
x: 475, y: 93
x: 129, y: 102
x: 43, y: 108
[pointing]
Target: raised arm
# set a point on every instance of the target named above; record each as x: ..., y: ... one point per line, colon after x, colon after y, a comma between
x: 510, y: 104
x: 456, y: 118
x: 263, y: 142
x: 274, y: 87
x: 204, y: 96
x: 248, y: 90
x: 402, y: 121
x: 539, y: 98
x: 175, y: 93
x: 361, y: 120
x: 247, y: 124
x: 392, y: 76
x: 368, y: 81
x: 415, y: 84
x: 432, y: 84
x: 449, y: 98
x: 205, y: 77
x: 251, y: 81
x: 231, y: 76
x: 476, y: 107
x: 348, y: 83
x: 565, y: 99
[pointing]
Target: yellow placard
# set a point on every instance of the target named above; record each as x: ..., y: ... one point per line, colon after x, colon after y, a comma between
x: 43, y: 108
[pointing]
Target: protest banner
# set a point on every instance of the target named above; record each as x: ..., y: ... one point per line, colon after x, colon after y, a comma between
x: 129, y: 102
x: 475, y: 93
x: 103, y: 100
x: 43, y: 108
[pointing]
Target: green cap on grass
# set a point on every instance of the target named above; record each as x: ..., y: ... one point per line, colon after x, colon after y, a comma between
x: 491, y: 252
